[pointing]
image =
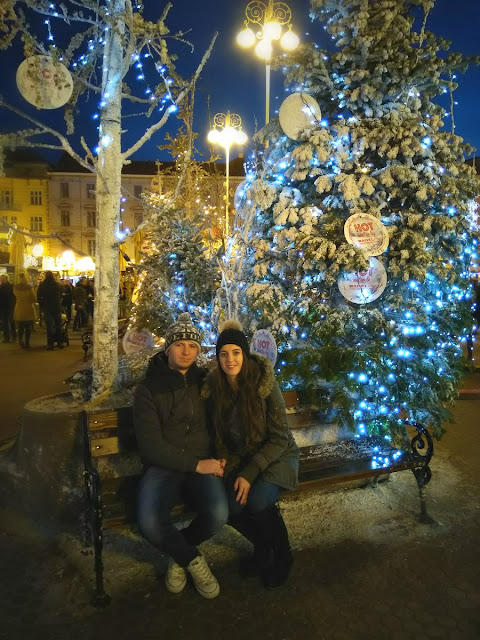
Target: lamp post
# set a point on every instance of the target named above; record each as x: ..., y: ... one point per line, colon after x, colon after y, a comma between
x: 227, y: 130
x: 270, y: 19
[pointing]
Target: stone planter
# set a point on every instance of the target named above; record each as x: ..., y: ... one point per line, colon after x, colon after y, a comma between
x: 42, y: 475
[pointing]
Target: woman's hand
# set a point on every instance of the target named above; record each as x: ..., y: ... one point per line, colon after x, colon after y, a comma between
x: 242, y: 487
x: 211, y: 466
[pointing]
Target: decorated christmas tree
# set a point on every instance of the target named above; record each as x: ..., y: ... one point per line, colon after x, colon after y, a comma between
x: 359, y: 235
x: 179, y: 271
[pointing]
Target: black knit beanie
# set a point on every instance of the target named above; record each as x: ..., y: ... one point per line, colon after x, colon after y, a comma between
x: 231, y: 333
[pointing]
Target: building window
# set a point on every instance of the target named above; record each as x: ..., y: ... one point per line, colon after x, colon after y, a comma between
x: 137, y: 190
x: 13, y: 219
x: 65, y: 218
x: 91, y: 218
x: 91, y: 247
x: 91, y: 191
x: 64, y: 193
x: 6, y: 198
x: 36, y: 223
x: 35, y: 197
x: 137, y: 219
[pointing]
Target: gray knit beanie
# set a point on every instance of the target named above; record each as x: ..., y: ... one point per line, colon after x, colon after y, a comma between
x: 182, y: 329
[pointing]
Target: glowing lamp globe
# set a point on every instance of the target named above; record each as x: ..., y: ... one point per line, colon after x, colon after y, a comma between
x: 214, y: 136
x: 37, y: 250
x: 264, y: 49
x: 272, y: 31
x: 290, y: 41
x: 246, y: 38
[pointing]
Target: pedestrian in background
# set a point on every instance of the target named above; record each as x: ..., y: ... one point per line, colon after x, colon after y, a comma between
x: 67, y: 297
x: 49, y: 297
x: 24, y: 313
x: 7, y: 305
x: 261, y: 455
x: 79, y: 294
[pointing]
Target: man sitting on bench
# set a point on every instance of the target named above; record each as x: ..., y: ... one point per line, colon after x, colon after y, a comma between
x: 176, y: 449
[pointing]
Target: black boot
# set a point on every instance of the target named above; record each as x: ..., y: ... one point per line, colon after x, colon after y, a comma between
x: 254, y: 565
x: 275, y: 534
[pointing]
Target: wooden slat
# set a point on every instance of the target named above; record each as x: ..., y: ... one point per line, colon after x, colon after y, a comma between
x: 100, y: 421
x: 104, y: 446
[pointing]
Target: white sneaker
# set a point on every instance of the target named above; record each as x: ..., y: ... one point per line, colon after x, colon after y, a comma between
x: 205, y: 582
x: 176, y: 577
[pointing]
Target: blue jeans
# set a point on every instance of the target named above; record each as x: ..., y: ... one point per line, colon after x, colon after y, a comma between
x: 262, y: 494
x: 162, y: 489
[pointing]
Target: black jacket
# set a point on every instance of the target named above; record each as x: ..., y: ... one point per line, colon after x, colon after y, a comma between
x: 170, y: 418
x: 49, y: 295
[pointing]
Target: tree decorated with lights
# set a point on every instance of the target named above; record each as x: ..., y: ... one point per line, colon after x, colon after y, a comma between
x: 105, y: 47
x: 361, y: 239
x: 179, y: 271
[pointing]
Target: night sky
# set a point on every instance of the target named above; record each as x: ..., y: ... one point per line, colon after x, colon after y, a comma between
x: 234, y: 78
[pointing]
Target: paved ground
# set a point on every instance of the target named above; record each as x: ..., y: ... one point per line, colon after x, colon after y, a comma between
x: 364, y: 567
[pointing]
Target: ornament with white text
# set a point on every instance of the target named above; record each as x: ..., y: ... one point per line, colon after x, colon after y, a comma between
x: 362, y: 287
x: 298, y: 112
x: 44, y: 83
x: 137, y: 339
x: 366, y: 232
x: 264, y: 344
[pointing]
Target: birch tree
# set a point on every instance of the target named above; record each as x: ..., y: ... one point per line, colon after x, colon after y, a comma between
x: 105, y: 45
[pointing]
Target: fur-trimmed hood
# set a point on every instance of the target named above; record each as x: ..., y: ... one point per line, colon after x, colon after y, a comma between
x: 265, y: 377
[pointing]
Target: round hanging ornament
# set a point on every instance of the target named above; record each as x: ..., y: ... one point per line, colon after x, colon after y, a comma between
x: 135, y: 340
x: 366, y: 232
x: 362, y: 287
x: 45, y: 83
x: 298, y: 112
x: 264, y: 344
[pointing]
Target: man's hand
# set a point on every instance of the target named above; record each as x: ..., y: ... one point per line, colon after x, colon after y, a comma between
x: 242, y: 487
x: 211, y: 466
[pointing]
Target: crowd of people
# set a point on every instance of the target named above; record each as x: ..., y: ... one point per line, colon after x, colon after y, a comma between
x: 53, y: 301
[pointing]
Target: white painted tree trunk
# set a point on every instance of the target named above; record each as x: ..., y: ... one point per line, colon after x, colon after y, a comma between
x: 108, y: 197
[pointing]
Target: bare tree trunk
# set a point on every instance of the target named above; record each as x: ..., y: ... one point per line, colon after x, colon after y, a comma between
x: 108, y: 195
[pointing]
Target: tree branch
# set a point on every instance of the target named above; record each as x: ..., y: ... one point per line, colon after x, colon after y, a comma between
x: 154, y: 128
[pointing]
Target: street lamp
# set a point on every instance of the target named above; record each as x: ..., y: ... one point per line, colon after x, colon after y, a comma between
x: 270, y: 18
x: 227, y: 130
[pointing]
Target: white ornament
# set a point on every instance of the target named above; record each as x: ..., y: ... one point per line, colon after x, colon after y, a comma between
x: 364, y: 286
x: 44, y: 83
x: 264, y: 344
x: 298, y: 112
x: 366, y: 232
x: 137, y: 339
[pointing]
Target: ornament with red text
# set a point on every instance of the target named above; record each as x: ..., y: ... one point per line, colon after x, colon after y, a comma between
x: 298, y: 112
x: 264, y: 344
x: 45, y: 83
x: 366, y: 232
x: 137, y: 339
x: 362, y: 287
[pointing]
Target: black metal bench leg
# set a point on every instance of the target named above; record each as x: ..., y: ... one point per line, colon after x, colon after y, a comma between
x: 87, y: 540
x: 422, y: 476
x: 100, y: 597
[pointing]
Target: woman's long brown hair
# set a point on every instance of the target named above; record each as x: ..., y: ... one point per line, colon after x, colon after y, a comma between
x: 224, y: 397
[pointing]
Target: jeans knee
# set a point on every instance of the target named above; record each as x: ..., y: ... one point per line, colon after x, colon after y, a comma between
x: 150, y: 527
x: 220, y: 515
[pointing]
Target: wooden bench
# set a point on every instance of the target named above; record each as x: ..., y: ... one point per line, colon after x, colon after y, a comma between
x: 113, y: 469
